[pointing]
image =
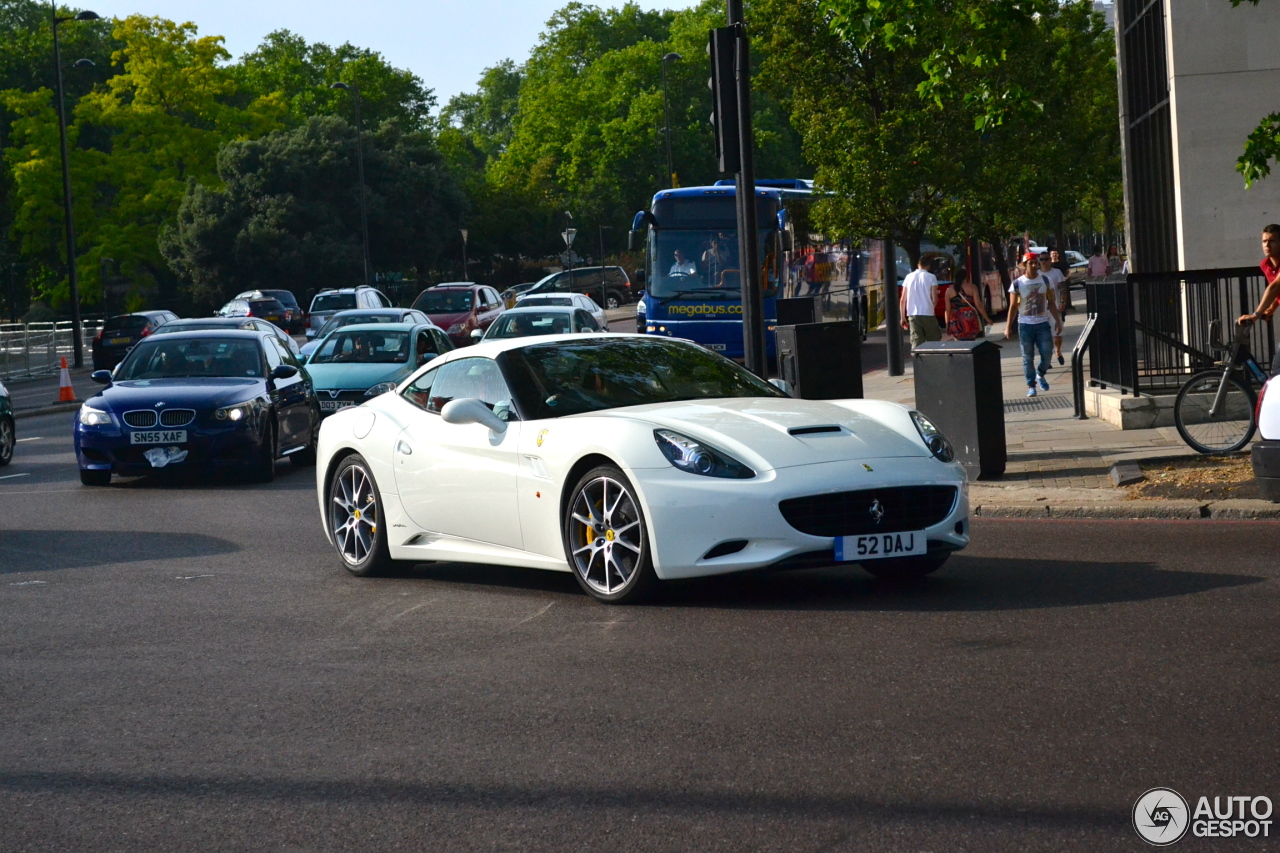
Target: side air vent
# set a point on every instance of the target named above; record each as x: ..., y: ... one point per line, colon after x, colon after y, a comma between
x: 724, y: 549
x: 813, y: 430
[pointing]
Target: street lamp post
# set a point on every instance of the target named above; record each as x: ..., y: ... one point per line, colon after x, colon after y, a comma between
x: 364, y: 214
x: 666, y: 116
x: 465, y: 277
x: 77, y: 342
x: 567, y: 235
x: 604, y: 293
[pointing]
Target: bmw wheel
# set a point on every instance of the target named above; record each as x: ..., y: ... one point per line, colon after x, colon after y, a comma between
x: 605, y: 539
x: 7, y: 440
x: 355, y: 519
x: 264, y: 467
x: 307, y: 456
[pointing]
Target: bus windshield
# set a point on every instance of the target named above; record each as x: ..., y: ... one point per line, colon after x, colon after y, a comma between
x: 704, y: 264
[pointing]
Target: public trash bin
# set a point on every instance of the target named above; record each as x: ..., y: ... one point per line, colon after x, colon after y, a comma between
x: 958, y: 387
x: 821, y: 361
x: 795, y: 310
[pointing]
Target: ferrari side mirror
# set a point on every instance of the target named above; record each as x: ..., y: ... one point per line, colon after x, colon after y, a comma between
x: 469, y: 410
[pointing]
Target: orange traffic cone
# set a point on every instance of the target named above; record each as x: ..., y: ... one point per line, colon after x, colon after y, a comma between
x: 66, y: 394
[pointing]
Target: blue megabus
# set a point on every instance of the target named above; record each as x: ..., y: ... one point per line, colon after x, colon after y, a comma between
x: 692, y: 284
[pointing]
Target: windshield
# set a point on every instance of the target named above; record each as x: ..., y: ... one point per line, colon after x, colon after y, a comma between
x: 125, y: 323
x: 704, y: 264
x: 338, y: 322
x: 170, y: 358
x: 520, y: 324
x: 444, y: 301
x: 363, y: 347
x: 333, y: 302
x: 555, y: 379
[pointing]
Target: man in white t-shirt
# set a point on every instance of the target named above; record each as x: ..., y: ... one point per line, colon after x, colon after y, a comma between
x: 1058, y: 282
x: 915, y: 303
x: 1031, y: 302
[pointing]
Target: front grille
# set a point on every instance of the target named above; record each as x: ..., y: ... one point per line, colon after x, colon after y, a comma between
x: 177, y: 417
x: 140, y: 419
x: 850, y: 513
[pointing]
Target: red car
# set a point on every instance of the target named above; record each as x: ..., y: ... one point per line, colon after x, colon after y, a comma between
x: 459, y: 307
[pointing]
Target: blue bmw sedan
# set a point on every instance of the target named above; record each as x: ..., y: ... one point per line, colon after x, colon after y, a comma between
x: 205, y: 399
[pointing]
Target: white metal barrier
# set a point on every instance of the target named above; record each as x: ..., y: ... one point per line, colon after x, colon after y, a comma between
x: 37, y: 349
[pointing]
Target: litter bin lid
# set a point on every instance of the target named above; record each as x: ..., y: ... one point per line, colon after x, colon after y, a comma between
x: 952, y: 347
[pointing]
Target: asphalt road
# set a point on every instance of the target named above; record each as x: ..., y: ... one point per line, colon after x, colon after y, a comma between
x: 184, y: 666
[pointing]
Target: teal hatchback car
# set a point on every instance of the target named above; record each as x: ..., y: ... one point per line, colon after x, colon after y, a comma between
x: 358, y: 362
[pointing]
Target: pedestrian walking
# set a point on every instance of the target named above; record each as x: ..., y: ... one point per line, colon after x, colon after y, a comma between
x: 915, y: 304
x: 966, y: 316
x: 1098, y: 264
x: 1057, y: 281
x: 1061, y: 264
x: 1031, y: 304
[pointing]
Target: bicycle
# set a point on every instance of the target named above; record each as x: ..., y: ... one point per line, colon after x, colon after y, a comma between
x: 1215, y: 411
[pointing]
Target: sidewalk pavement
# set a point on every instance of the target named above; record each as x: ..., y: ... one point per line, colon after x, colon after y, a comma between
x: 1059, y: 466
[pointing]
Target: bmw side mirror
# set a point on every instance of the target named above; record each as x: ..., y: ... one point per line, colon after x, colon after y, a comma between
x: 469, y: 410
x: 283, y: 371
x: 102, y: 377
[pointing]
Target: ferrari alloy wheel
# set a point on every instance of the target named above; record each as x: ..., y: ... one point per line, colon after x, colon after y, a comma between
x: 355, y: 519
x: 7, y: 440
x: 605, y: 538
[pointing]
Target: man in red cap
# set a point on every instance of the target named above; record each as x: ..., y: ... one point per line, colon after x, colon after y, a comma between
x: 1031, y: 300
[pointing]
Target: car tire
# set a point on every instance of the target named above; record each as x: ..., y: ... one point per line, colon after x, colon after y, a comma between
x: 906, y: 568
x: 91, y: 477
x: 613, y: 299
x: 307, y: 456
x: 594, y: 524
x: 355, y: 519
x: 264, y: 467
x: 8, y: 438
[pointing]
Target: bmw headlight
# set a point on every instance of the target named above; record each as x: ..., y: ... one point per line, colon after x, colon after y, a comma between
x: 238, y: 412
x: 93, y: 417
x: 698, y: 458
x: 380, y: 388
x: 933, y: 438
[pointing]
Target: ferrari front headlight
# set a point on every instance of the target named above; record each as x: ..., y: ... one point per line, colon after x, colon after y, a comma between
x: 697, y: 457
x: 933, y: 438
x: 90, y: 416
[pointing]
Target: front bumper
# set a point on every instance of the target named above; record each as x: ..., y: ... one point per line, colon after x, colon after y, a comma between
x: 107, y: 448
x: 1266, y: 468
x: 690, y: 515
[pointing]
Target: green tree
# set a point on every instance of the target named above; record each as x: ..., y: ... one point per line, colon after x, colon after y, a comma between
x: 302, y: 74
x: 1263, y: 144
x: 286, y: 211
x: 156, y: 126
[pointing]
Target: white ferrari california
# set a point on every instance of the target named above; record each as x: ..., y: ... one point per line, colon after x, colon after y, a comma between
x: 628, y: 459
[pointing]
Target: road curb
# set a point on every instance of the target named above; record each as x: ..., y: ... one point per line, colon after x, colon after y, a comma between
x: 45, y: 410
x: 1242, y: 510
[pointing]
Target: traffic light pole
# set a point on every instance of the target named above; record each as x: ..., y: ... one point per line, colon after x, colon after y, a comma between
x: 753, y: 337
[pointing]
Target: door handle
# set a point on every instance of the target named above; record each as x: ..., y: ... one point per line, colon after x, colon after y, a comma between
x: 401, y: 447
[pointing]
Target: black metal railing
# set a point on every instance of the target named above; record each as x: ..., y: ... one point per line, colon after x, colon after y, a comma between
x: 1150, y: 331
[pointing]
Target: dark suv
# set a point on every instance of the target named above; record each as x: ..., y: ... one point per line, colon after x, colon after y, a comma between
x: 121, y: 332
x: 586, y: 280
x: 298, y: 319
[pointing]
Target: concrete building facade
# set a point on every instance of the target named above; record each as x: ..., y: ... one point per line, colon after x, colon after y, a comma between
x: 1196, y: 77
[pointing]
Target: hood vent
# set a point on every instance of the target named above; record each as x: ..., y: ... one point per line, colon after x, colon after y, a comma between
x: 813, y: 430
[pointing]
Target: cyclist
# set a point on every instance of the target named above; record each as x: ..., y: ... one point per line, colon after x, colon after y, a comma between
x: 1271, y: 296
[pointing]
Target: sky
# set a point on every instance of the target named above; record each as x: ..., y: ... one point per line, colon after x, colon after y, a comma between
x: 447, y: 43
